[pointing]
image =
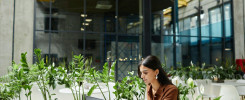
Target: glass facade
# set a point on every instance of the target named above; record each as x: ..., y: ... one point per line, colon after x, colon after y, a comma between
x: 106, y: 30
x: 205, y: 33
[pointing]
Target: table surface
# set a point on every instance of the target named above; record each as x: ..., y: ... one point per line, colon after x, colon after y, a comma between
x: 229, y: 83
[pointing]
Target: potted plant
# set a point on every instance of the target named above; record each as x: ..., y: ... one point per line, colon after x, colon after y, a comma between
x: 131, y: 87
x: 43, y: 75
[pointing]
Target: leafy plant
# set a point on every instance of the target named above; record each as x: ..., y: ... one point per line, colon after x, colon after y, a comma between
x: 43, y: 75
x: 17, y: 79
x: 192, y: 71
x: 131, y: 86
x: 185, y: 90
x: 107, y: 75
x: 74, y: 79
x: 7, y: 91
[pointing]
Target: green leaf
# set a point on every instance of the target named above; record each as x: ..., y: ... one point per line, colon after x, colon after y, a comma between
x: 29, y: 93
x: 91, y: 90
x: 218, y: 98
x: 24, y: 62
x: 38, y: 54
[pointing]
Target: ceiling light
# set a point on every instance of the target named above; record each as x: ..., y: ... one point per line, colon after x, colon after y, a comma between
x: 88, y: 20
x: 82, y: 29
x: 83, y: 15
x: 86, y: 24
x: 227, y: 49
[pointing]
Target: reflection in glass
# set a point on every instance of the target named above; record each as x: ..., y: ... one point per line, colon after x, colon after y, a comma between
x: 215, y: 22
x: 228, y: 49
x: 168, y: 50
x: 194, y: 50
x: 206, y: 51
x: 216, y: 51
x: 100, y: 16
x: 65, y: 15
x: 130, y: 17
x: 183, y: 48
x: 228, y: 22
x: 128, y: 53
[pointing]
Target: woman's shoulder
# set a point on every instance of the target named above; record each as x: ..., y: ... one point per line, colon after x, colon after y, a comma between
x: 170, y: 92
x: 171, y: 87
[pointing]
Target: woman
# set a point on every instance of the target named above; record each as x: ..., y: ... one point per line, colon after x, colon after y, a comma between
x: 159, y: 87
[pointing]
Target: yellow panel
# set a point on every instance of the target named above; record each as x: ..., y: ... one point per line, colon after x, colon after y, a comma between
x: 181, y: 3
x: 166, y: 11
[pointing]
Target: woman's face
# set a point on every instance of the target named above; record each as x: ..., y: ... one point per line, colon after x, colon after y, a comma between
x: 148, y: 75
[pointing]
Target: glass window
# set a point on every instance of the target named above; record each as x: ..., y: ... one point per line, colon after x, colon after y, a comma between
x: 157, y: 47
x: 194, y: 50
x: 167, y: 21
x: 100, y: 16
x: 194, y: 26
x: 216, y: 51
x: 183, y: 51
x: 42, y: 15
x: 64, y: 15
x: 228, y: 49
x: 168, y: 50
x: 42, y: 41
x: 157, y: 24
x: 128, y: 53
x: 228, y: 20
x: 130, y: 18
x: 206, y: 51
x: 215, y: 22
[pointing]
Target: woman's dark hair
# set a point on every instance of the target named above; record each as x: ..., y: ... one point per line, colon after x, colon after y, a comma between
x: 154, y: 63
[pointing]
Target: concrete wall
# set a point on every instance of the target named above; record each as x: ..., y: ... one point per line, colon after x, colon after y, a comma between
x: 6, y: 34
x: 238, y: 28
x: 23, y: 33
x: 23, y: 40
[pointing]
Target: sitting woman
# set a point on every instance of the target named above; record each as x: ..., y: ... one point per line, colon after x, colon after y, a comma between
x: 159, y: 87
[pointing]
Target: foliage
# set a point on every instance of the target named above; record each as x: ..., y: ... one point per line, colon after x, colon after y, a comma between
x: 7, y: 91
x: 192, y: 71
x: 74, y: 79
x: 107, y: 75
x: 130, y: 87
x: 218, y: 98
x: 79, y: 71
x: 18, y: 78
x: 185, y: 90
x: 43, y: 75
x: 227, y: 72
x: 195, y: 72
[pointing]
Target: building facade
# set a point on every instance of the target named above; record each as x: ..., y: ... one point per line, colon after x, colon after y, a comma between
x: 201, y: 31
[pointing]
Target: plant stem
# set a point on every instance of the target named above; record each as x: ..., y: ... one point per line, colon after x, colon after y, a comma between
x: 83, y: 93
x: 49, y: 95
x: 99, y: 86
x: 108, y: 91
x: 43, y: 87
x: 79, y: 92
x: 76, y: 93
x: 73, y: 94
x: 39, y: 85
x: 30, y: 96
x: 19, y: 96
x: 26, y: 95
